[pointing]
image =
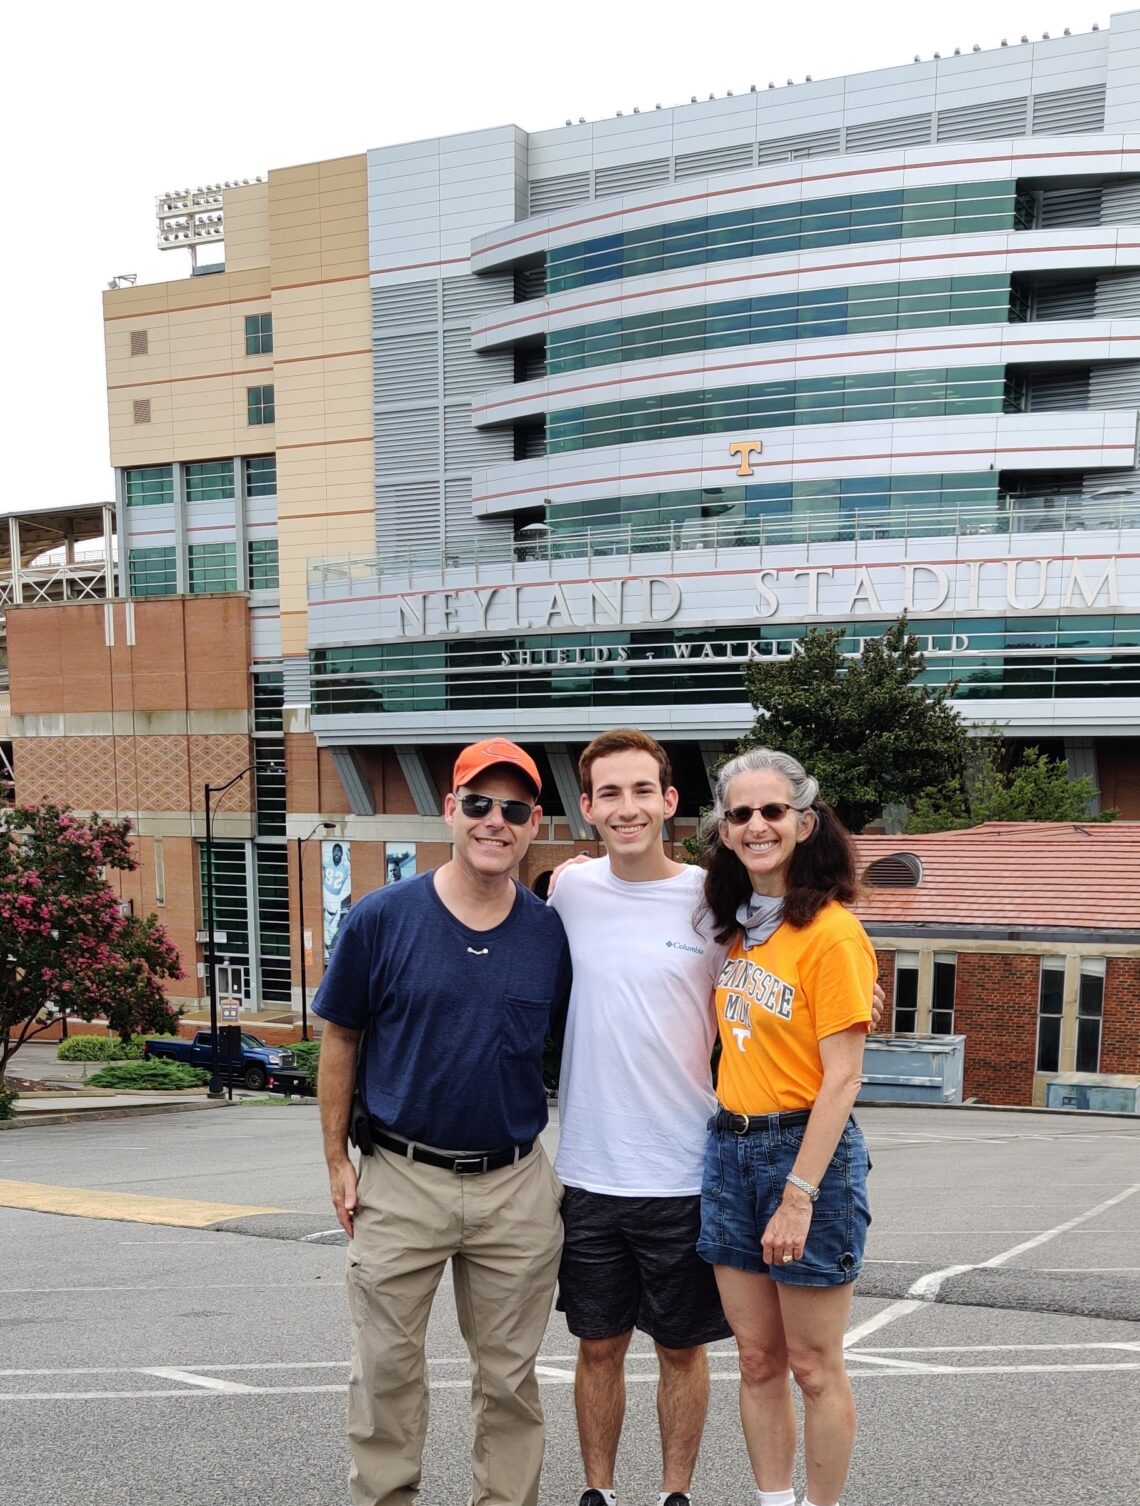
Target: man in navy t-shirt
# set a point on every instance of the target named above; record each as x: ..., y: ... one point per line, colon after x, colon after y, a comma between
x: 438, y: 1001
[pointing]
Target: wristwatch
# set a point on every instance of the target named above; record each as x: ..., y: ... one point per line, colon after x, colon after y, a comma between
x: 812, y: 1192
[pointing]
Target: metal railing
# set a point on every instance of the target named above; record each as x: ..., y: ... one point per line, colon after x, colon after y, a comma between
x: 342, y: 576
x: 82, y: 580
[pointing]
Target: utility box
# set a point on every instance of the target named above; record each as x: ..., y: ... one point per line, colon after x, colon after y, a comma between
x: 913, y: 1069
x: 1111, y: 1093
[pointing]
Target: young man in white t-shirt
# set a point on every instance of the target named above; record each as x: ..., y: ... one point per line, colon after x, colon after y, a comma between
x: 635, y: 1097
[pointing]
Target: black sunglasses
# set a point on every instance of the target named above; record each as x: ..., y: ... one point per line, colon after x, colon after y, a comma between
x: 740, y: 815
x: 517, y: 812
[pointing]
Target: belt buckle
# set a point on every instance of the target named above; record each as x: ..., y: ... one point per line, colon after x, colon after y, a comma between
x: 466, y: 1166
x: 739, y: 1125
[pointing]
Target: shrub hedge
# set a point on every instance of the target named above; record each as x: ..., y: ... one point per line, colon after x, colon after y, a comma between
x: 99, y: 1048
x: 7, y: 1098
x: 161, y: 1076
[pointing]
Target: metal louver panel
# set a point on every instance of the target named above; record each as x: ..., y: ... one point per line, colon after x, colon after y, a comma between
x: 721, y: 159
x: 1065, y: 300
x: 462, y: 530
x: 533, y: 444
x: 466, y: 371
x: 407, y: 516
x: 629, y: 176
x: 547, y: 194
x: 530, y: 283
x: 1118, y: 295
x: 808, y: 144
x: 1120, y: 202
x: 999, y: 117
x: 1068, y: 110
x: 295, y: 680
x: 467, y: 448
x: 140, y: 342
x: 1071, y: 207
x: 273, y: 921
x: 1116, y: 384
x: 902, y: 130
x: 141, y: 409
x: 464, y: 297
x: 900, y: 870
x: 1062, y: 391
x: 406, y: 367
x: 1112, y: 483
x: 410, y: 303
x: 406, y: 441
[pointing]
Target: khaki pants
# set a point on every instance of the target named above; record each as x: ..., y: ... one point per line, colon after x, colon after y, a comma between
x: 503, y: 1232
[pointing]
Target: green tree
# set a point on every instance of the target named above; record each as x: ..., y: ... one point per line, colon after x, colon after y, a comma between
x: 1035, y: 788
x: 869, y: 734
x: 64, y: 946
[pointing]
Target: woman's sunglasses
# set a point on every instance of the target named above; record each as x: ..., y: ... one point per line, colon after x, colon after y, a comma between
x: 517, y: 812
x: 740, y: 815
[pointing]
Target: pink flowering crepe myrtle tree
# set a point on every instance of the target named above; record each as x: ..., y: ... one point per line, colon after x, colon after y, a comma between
x: 64, y: 946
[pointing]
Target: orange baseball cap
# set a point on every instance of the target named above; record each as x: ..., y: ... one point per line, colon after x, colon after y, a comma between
x: 479, y: 756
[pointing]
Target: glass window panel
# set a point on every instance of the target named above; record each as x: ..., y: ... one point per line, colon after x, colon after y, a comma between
x: 263, y: 565
x: 906, y: 991
x: 260, y: 405
x: 210, y: 481
x: 149, y: 485
x: 213, y: 567
x: 152, y: 572
x: 261, y: 476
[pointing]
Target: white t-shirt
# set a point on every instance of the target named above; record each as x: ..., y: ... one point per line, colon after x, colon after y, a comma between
x: 635, y: 1093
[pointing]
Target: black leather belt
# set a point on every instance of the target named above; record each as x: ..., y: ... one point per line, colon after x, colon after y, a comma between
x: 725, y: 1121
x: 466, y: 1165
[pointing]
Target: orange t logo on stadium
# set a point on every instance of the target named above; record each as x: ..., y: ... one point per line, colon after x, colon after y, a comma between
x: 744, y: 449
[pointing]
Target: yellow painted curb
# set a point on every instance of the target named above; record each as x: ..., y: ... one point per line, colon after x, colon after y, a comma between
x: 127, y: 1207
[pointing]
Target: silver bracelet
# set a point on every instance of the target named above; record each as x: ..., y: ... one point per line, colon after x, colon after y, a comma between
x: 812, y: 1192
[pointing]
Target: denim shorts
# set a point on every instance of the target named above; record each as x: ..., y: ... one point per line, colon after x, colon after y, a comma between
x: 744, y: 1182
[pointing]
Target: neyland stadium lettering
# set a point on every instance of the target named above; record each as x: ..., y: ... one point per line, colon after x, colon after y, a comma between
x: 709, y: 597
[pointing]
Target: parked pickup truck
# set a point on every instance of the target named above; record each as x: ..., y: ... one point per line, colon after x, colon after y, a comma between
x: 261, y: 1066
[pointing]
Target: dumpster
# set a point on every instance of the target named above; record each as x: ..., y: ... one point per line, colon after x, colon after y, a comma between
x: 913, y: 1069
x: 1111, y: 1093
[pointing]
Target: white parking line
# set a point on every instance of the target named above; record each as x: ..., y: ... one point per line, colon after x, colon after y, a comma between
x: 880, y: 1320
x: 927, y: 1287
x: 208, y: 1382
x: 199, y: 1386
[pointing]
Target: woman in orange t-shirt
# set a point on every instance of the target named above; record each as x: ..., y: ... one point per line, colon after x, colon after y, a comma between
x: 784, y: 1211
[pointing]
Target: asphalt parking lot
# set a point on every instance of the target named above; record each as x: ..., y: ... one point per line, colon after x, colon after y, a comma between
x: 994, y: 1346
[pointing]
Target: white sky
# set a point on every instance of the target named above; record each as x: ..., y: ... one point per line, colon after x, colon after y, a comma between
x: 103, y: 107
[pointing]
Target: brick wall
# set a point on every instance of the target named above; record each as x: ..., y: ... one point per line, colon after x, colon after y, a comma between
x: 1120, y: 1041
x: 887, y: 984
x: 995, y: 1008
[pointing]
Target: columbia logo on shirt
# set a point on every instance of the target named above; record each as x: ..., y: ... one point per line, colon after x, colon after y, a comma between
x: 683, y: 946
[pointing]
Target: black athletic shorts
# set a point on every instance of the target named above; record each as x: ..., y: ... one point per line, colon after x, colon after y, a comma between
x: 632, y: 1262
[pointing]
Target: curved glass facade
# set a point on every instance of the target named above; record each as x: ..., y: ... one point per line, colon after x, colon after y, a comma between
x: 989, y: 658
x: 862, y: 396
x: 869, y: 308
x: 803, y: 225
x: 933, y: 496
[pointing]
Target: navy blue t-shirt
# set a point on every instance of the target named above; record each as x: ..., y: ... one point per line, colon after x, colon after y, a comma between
x: 456, y: 1019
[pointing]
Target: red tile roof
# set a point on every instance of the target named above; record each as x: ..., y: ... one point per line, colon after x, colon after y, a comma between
x: 1014, y: 875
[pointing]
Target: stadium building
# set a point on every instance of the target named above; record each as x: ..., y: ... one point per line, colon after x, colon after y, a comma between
x: 538, y: 433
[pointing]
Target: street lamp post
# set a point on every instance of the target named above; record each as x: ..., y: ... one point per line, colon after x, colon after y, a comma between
x: 301, y: 841
x: 215, y: 1088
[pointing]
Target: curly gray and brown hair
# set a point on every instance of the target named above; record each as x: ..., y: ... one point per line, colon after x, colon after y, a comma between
x: 822, y: 868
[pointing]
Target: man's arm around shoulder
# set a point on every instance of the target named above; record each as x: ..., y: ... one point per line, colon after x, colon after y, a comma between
x: 336, y: 1082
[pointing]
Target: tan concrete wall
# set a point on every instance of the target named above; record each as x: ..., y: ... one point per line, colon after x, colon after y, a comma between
x: 318, y: 220
x: 247, y: 226
x: 195, y: 373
